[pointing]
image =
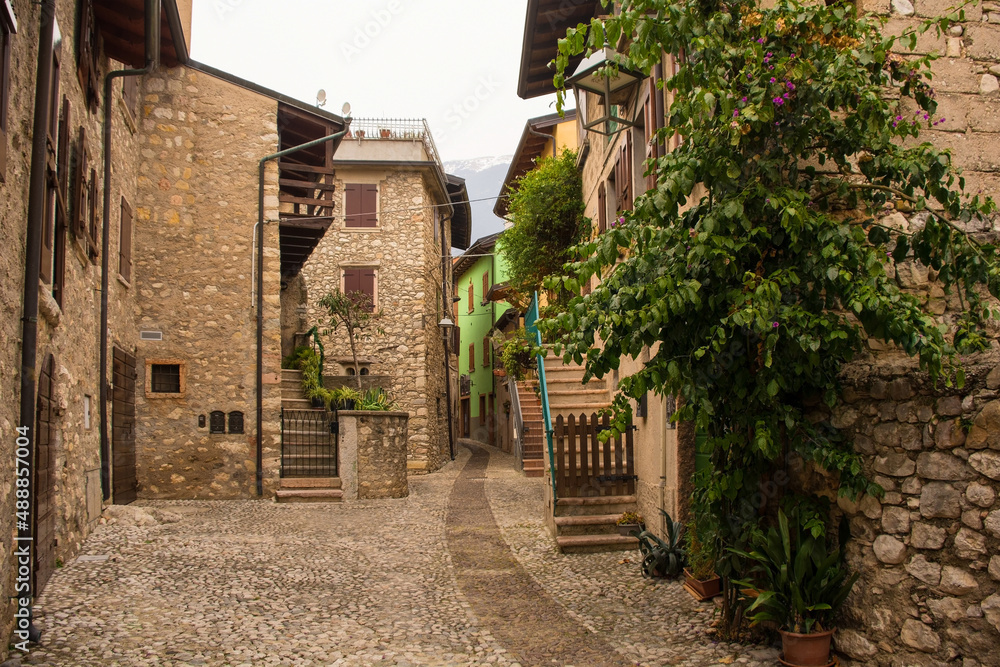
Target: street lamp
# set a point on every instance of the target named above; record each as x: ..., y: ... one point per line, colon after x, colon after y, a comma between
x: 446, y: 325
x: 605, y: 75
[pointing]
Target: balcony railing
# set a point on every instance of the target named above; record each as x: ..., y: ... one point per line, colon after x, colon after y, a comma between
x: 414, y: 129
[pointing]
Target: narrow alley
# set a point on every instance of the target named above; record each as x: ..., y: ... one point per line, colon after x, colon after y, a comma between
x: 462, y: 572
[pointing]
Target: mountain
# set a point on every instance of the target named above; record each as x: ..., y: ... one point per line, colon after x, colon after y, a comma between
x: 483, y: 178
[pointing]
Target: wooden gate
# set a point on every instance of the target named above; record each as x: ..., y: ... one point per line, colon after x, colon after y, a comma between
x: 123, y: 428
x: 586, y: 467
x: 45, y: 476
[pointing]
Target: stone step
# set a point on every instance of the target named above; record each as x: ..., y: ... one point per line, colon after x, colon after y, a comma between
x: 578, y: 544
x: 310, y: 483
x: 290, y: 403
x: 308, y: 495
x: 595, y: 505
x: 587, y: 524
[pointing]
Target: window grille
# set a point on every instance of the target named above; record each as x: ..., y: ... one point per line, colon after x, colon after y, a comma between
x: 166, y: 379
x: 217, y: 422
x: 236, y: 422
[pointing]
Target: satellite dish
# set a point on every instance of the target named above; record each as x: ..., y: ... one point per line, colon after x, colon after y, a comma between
x: 321, y: 98
x: 346, y: 109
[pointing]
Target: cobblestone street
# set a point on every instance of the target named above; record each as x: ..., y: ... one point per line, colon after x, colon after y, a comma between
x: 462, y: 572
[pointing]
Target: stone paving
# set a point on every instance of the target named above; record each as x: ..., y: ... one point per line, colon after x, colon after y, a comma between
x: 462, y: 572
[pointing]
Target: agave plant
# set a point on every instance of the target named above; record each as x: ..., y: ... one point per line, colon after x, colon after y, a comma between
x: 800, y: 584
x: 662, y: 558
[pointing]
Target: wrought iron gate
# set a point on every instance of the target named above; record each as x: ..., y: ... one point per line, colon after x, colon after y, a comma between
x: 309, y: 442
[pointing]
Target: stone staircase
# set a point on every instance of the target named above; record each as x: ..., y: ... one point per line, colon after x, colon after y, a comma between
x: 303, y: 489
x: 584, y: 525
x: 533, y: 447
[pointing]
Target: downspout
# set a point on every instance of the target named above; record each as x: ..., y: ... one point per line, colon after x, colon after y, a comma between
x: 29, y: 316
x: 547, y: 137
x: 152, y: 32
x: 260, y: 286
x: 446, y: 305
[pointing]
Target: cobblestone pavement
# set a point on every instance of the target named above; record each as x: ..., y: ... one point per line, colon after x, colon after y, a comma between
x: 463, y: 572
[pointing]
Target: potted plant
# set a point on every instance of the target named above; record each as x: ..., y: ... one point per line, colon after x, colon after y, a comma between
x: 343, y: 398
x: 700, y: 578
x: 799, y: 585
x: 377, y: 399
x: 662, y: 558
x: 630, y: 522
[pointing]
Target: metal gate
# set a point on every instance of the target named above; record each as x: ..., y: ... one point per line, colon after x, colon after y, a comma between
x: 123, y: 428
x: 309, y: 440
x: 45, y: 476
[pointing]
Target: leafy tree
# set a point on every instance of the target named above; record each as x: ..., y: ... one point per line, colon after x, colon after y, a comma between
x: 353, y: 311
x: 765, y: 256
x: 547, y: 209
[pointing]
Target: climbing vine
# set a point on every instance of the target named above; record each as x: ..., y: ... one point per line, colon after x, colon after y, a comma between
x: 766, y: 255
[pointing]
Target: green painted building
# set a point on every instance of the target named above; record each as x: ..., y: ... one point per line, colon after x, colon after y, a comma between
x: 476, y: 272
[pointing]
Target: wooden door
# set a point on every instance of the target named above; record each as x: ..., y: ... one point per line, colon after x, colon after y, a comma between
x: 45, y: 476
x: 123, y: 429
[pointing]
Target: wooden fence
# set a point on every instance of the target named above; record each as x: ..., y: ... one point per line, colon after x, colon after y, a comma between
x: 587, y: 467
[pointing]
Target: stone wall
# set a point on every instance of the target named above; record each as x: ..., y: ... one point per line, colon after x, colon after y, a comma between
x: 406, y: 258
x: 928, y: 549
x: 201, y: 140
x: 373, y: 454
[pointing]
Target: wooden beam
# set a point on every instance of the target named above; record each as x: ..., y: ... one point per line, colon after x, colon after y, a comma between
x: 305, y: 168
x: 308, y: 185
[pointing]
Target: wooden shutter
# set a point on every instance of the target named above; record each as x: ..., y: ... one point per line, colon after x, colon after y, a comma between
x: 130, y: 92
x: 367, y: 280
x: 81, y: 191
x: 652, y: 148
x: 369, y: 205
x: 486, y: 284
x: 94, y: 220
x: 352, y: 281
x: 602, y: 208
x: 472, y: 303
x: 472, y: 357
x: 125, y: 243
x: 486, y: 351
x: 352, y: 205
x: 87, y: 55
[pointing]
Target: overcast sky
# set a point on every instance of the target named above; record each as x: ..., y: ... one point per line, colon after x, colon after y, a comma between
x: 454, y: 62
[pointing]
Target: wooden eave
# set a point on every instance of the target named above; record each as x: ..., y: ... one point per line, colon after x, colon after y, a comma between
x: 529, y: 149
x: 122, y: 29
x: 546, y: 22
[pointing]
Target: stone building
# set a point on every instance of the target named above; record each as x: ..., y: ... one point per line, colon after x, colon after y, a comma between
x: 929, y: 592
x: 398, y: 216
x: 144, y: 371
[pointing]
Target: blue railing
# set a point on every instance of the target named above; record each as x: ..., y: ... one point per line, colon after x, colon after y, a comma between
x: 529, y: 324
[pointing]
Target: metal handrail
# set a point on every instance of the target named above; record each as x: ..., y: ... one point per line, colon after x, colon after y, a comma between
x: 515, y: 408
x: 415, y: 129
x: 529, y: 324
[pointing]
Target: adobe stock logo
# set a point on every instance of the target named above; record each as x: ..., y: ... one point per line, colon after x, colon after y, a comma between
x: 223, y: 7
x: 363, y: 35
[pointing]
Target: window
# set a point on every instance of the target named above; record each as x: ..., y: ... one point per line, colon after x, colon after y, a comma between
x: 602, y: 208
x: 361, y: 281
x: 486, y: 352
x: 8, y: 27
x: 436, y: 218
x: 623, y: 175
x: 88, y: 55
x: 217, y: 421
x: 53, y: 259
x: 165, y: 378
x: 472, y: 304
x: 486, y: 285
x: 86, y: 412
x: 472, y: 357
x: 125, y: 243
x: 130, y: 93
x: 361, y: 205
x: 235, y: 422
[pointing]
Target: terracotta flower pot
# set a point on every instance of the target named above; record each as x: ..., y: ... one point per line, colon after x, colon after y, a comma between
x: 806, y: 650
x: 702, y: 589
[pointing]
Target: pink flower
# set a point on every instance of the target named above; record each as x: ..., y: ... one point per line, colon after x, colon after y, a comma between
x: 778, y: 101
x: 774, y: 325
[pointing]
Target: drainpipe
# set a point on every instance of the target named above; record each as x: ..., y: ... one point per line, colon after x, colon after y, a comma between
x: 446, y: 306
x: 260, y: 286
x: 152, y: 31
x: 547, y: 137
x: 29, y: 317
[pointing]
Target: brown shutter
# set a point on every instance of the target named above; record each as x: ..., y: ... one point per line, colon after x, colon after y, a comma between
x: 652, y: 149
x: 602, y: 208
x: 125, y: 243
x: 486, y: 351
x: 368, y: 286
x: 472, y: 357
x: 472, y: 305
x: 352, y: 281
x: 486, y: 284
x: 94, y: 220
x: 352, y: 204
x: 81, y: 208
x: 45, y: 271
x: 369, y: 205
